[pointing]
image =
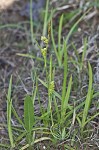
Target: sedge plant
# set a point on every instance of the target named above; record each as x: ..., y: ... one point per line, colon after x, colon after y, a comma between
x: 59, y: 114
x: 57, y: 120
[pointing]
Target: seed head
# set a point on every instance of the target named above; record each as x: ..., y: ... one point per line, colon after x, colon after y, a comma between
x: 44, y: 39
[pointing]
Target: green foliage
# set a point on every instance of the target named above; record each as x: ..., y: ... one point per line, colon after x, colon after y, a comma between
x: 88, y: 99
x: 64, y: 115
x: 65, y: 101
x: 55, y: 122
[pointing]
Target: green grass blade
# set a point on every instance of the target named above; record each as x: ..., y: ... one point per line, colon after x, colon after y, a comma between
x: 94, y: 116
x: 96, y: 95
x: 66, y: 99
x: 50, y: 89
x: 11, y: 26
x: 84, y: 50
x: 20, y: 137
x: 54, y: 44
x: 74, y: 26
x: 9, y: 89
x: 50, y: 70
x: 29, y: 119
x: 45, y: 19
x: 17, y: 117
x: 30, y: 56
x: 9, y: 106
x: 56, y: 109
x: 83, y: 54
x: 31, y: 21
x: 59, y: 37
x: 79, y: 121
x: 65, y: 75
x: 88, y: 98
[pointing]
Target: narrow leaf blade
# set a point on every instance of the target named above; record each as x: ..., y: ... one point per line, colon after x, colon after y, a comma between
x: 28, y: 113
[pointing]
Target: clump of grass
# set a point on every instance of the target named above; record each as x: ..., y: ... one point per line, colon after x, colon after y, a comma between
x: 55, y: 122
